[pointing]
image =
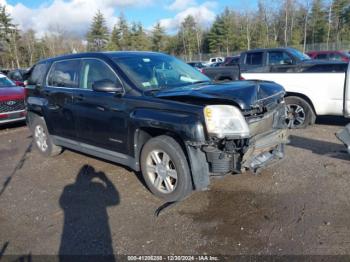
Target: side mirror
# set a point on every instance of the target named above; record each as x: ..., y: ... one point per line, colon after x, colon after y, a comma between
x: 107, y: 86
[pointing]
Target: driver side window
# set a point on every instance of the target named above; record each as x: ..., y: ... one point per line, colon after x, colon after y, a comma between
x: 95, y: 70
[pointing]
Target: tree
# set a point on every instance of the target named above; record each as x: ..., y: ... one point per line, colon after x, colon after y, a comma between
x: 97, y: 36
x: 318, y: 18
x: 123, y: 32
x: 114, y: 40
x: 158, y: 37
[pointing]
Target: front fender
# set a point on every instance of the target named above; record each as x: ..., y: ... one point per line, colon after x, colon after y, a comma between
x: 187, y: 126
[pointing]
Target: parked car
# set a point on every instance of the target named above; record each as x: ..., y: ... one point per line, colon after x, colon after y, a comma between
x: 330, y: 55
x: 18, y: 76
x: 216, y: 64
x: 12, y: 108
x: 213, y: 60
x: 198, y: 65
x: 155, y: 114
x: 313, y: 87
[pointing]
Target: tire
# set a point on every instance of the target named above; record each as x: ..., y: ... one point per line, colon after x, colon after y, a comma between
x: 42, y: 139
x: 299, y: 113
x: 165, y: 169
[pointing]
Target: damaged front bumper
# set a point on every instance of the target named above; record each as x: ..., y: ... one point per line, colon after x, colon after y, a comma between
x: 344, y: 136
x: 265, y: 146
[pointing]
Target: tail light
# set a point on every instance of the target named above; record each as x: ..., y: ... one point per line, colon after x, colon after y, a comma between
x: 241, y: 78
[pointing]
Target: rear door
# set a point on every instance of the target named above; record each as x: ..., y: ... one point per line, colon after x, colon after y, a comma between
x: 253, y: 61
x: 347, y: 93
x: 62, y: 83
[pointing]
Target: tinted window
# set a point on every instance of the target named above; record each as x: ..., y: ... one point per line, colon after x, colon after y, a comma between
x: 254, y: 58
x: 279, y: 58
x: 37, y: 74
x: 64, y: 74
x: 95, y: 70
x: 321, y: 56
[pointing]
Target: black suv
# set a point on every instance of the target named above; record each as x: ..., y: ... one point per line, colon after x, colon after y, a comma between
x: 155, y: 114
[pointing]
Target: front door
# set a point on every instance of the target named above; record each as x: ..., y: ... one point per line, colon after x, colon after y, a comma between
x: 103, y: 117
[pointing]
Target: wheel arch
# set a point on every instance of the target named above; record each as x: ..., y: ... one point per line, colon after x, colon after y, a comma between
x: 194, y: 157
x: 306, y: 98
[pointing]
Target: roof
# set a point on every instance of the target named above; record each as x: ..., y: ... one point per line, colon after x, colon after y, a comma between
x: 270, y: 49
x: 114, y: 54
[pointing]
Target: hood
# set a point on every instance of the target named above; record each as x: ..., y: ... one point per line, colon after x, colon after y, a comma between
x: 11, y: 93
x: 246, y: 94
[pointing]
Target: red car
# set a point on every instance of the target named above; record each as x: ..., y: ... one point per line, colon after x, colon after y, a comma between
x: 330, y: 55
x: 12, y: 107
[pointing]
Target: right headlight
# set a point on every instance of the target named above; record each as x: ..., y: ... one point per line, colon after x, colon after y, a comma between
x: 225, y: 121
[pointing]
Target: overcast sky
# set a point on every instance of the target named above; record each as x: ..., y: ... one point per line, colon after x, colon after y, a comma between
x: 74, y: 16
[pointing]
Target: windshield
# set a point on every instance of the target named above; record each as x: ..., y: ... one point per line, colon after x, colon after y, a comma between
x: 151, y: 72
x: 5, y: 82
x: 299, y: 54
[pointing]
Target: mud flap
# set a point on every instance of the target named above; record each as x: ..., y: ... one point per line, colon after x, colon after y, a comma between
x: 344, y: 136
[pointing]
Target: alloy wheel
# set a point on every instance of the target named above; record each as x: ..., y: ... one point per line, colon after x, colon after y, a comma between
x: 41, y: 138
x: 295, y: 116
x: 161, y: 171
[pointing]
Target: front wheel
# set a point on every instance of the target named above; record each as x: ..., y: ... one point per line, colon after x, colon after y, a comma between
x: 299, y: 113
x: 165, y: 169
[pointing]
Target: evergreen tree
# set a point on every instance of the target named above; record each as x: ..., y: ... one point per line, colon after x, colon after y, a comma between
x: 98, y: 34
x: 114, y: 40
x: 158, y: 37
x: 318, y: 22
x: 123, y: 32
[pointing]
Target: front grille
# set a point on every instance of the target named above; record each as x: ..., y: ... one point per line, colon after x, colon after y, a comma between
x: 11, y: 105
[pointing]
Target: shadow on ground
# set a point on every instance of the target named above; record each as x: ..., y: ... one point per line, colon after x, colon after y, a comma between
x: 319, y: 147
x: 332, y: 120
x: 86, y: 229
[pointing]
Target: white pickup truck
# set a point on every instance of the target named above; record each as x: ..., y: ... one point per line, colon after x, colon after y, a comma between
x: 310, y: 93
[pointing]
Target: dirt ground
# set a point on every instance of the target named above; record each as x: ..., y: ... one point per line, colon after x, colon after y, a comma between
x: 64, y: 204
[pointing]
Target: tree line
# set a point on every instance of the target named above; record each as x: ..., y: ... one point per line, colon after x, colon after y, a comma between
x: 273, y: 23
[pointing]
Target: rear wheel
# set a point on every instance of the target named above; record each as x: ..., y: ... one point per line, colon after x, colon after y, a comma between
x: 299, y: 113
x: 42, y: 138
x: 165, y: 169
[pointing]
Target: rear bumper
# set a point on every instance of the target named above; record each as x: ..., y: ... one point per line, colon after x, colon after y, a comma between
x: 15, y: 116
x: 344, y: 136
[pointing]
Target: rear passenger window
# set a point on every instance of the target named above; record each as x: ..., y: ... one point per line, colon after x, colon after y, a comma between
x: 37, y: 74
x: 254, y: 58
x: 64, y: 74
x: 95, y: 71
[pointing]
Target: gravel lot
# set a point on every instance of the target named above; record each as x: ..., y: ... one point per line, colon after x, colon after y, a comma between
x: 78, y: 204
